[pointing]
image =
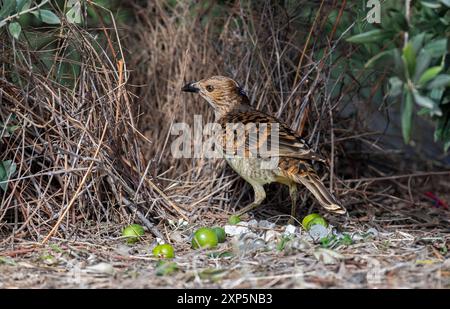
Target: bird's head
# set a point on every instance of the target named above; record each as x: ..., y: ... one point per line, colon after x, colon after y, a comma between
x: 222, y: 93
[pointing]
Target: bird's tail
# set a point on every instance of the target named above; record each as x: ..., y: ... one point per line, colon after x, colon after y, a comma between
x: 317, y: 188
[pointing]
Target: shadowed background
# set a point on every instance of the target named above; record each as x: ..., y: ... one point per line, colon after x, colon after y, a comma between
x: 88, y: 107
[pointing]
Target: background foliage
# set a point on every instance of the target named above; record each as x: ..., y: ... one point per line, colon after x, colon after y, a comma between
x: 409, y: 52
x: 318, y: 65
x: 410, y: 46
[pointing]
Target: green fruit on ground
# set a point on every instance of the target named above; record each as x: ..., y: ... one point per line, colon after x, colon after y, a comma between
x: 164, y: 251
x: 234, y: 220
x: 220, y: 233
x: 313, y: 219
x: 132, y: 233
x: 204, y: 238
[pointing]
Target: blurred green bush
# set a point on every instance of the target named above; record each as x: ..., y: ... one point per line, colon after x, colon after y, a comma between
x: 39, y: 25
x: 410, y: 45
x: 408, y: 54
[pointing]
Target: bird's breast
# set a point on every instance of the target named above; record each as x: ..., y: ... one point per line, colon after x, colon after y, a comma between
x: 252, y: 169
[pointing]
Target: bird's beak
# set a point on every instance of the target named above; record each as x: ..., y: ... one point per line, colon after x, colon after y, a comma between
x: 190, y: 87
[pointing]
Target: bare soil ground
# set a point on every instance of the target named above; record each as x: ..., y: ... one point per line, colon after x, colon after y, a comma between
x: 408, y: 250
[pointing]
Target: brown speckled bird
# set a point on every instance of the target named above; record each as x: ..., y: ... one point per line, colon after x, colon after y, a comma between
x: 231, y: 106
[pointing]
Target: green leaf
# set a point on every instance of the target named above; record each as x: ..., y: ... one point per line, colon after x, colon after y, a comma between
x: 10, y: 167
x: 446, y: 2
x: 377, y: 57
x: 22, y: 5
x: 445, y: 99
x: 422, y: 63
x: 427, y: 103
x: 47, y: 17
x: 431, y: 4
x: 395, y: 20
x: 422, y: 100
x: 369, y: 36
x: 15, y: 29
x: 429, y: 74
x: 395, y: 86
x: 11, y: 129
x: 328, y: 241
x: 442, y: 132
x: 417, y: 42
x: 407, y: 112
x: 423, y: 111
x: 436, y: 95
x: 398, y: 62
x: 282, y: 243
x: 409, y: 58
x: 6, y: 9
x: 346, y: 240
x: 7, y: 169
x: 437, y: 48
x: 74, y: 14
x: 447, y: 145
x: 8, y: 130
x: 441, y: 81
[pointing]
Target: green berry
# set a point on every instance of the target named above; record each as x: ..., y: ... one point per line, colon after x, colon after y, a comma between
x: 133, y: 232
x: 313, y: 219
x: 165, y: 251
x: 204, y: 238
x: 220, y: 233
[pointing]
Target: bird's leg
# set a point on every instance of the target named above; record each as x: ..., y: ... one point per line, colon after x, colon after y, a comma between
x: 260, y: 195
x: 293, y: 193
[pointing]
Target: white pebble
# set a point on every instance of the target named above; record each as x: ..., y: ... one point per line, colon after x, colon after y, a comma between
x: 357, y: 237
x: 271, y: 235
x: 373, y: 231
x: 234, y: 230
x: 258, y: 244
x: 266, y: 224
x: 252, y: 223
x: 290, y: 230
x: 318, y: 231
x: 101, y: 268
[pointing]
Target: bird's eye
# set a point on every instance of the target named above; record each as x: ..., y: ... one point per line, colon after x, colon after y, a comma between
x: 210, y: 88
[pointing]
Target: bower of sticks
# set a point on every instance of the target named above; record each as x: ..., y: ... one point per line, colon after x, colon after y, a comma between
x: 92, y: 154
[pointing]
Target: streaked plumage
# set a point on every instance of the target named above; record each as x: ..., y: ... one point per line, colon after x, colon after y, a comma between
x: 295, y: 156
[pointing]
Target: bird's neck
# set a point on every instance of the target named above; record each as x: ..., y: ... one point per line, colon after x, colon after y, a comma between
x: 238, y: 103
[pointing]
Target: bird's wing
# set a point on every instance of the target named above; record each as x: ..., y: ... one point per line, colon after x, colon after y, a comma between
x: 290, y: 144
